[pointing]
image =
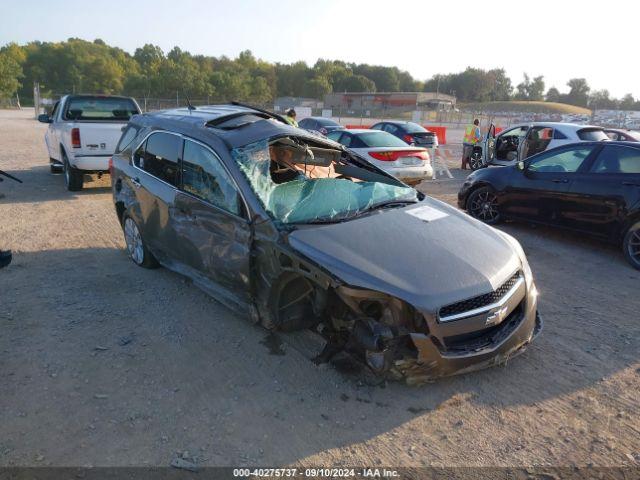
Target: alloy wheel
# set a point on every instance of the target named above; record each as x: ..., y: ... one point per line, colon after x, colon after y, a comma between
x: 484, y: 206
x: 633, y: 246
x: 134, y: 241
x: 475, y: 162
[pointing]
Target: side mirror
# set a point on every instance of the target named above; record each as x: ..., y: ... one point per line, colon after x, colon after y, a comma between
x: 520, y: 166
x: 44, y: 118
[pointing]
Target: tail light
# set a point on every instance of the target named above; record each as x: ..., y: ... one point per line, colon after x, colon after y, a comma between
x: 110, y: 165
x: 409, y: 139
x: 394, y: 155
x: 75, y: 138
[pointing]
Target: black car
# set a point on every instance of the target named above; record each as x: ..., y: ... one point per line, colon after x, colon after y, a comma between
x: 591, y: 187
x: 298, y: 232
x: 410, y: 132
x: 320, y: 124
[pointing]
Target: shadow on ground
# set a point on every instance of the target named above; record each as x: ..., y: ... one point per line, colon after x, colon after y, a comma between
x: 128, y: 356
x: 40, y: 185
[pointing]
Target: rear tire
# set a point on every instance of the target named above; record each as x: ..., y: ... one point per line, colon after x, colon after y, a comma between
x: 136, y: 248
x: 631, y: 245
x: 482, y: 204
x: 73, y: 178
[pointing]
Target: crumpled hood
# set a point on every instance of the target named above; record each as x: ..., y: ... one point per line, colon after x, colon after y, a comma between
x: 428, y: 262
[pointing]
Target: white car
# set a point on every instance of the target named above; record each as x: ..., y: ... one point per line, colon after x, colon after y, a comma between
x: 407, y: 163
x: 522, y: 141
x: 83, y: 133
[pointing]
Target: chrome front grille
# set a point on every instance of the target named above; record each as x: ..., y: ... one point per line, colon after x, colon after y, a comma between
x: 475, y: 305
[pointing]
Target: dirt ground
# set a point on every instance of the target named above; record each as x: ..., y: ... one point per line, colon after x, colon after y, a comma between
x: 103, y: 363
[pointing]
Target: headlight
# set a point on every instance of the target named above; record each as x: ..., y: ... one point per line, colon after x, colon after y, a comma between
x: 528, y: 275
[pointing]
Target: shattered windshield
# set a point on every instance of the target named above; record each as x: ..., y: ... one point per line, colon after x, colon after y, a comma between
x: 300, y: 183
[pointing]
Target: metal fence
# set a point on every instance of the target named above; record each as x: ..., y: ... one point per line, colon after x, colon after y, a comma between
x: 452, y: 118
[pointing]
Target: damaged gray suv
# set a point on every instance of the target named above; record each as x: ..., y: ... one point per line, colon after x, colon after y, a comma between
x: 299, y: 233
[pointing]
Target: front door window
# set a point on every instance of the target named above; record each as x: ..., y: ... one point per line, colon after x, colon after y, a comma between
x: 566, y: 161
x: 203, y: 176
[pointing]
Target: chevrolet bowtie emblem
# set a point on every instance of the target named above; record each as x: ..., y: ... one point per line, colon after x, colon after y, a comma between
x: 496, y: 316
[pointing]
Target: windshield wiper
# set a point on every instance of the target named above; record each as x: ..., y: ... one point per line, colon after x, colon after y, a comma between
x: 389, y: 204
x: 339, y: 219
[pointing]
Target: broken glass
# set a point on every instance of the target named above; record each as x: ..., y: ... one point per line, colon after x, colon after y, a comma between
x: 303, y: 199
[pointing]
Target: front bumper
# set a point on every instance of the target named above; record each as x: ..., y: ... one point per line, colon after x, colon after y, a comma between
x: 432, y: 362
x: 90, y: 162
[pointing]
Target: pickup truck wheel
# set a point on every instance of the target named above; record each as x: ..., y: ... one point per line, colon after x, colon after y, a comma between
x: 631, y: 245
x: 73, y: 178
x: 136, y: 248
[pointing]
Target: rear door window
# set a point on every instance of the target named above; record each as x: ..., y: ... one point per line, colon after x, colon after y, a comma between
x: 204, y: 177
x: 159, y: 155
x: 615, y: 159
x: 558, y: 135
x: 127, y: 137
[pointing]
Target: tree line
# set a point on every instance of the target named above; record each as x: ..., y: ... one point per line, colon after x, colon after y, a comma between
x: 78, y: 65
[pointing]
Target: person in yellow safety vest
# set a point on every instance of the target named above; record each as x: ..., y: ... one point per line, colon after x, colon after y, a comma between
x: 471, y: 138
x: 290, y: 117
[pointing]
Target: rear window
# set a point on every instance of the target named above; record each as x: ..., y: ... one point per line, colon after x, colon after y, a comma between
x: 380, y: 139
x: 326, y: 122
x: 414, y: 128
x: 100, y: 108
x: 592, y: 134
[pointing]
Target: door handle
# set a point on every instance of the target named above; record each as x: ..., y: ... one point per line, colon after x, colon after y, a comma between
x: 136, y: 182
x: 560, y: 180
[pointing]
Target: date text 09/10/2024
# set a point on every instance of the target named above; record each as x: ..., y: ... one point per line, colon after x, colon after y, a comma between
x: 316, y: 472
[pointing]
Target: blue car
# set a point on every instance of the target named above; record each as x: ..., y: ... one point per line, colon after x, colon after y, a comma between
x: 411, y: 133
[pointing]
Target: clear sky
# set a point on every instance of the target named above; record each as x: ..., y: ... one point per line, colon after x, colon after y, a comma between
x: 559, y: 39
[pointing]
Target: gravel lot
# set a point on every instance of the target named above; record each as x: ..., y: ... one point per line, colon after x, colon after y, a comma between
x: 103, y: 363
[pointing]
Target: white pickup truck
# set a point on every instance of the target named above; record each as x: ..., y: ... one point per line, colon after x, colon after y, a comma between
x: 83, y: 133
